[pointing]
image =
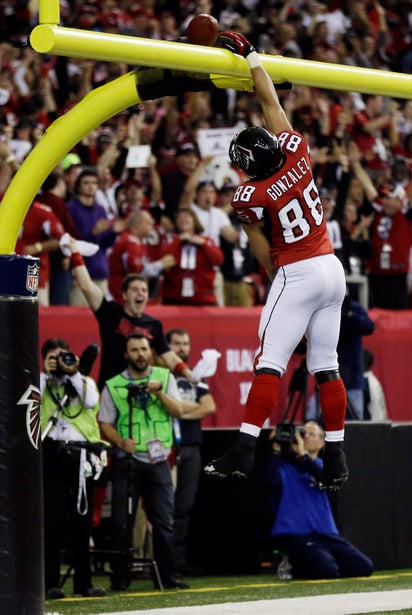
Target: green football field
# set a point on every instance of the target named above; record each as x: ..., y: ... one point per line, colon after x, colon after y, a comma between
x: 207, y: 590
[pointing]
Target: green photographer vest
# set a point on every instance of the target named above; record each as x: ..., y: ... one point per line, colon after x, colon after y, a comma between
x: 149, y: 420
x: 83, y: 419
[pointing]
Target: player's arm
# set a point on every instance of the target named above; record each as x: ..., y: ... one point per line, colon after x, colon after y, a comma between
x: 260, y: 247
x: 275, y: 117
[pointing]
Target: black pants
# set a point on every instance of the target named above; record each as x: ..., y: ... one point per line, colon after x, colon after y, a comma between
x: 321, y: 556
x: 188, y: 474
x: 132, y: 479
x: 63, y: 525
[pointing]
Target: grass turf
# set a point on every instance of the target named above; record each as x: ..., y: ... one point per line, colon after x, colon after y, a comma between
x: 215, y: 590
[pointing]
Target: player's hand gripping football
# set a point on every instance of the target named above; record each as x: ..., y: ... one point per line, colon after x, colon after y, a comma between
x: 236, y: 43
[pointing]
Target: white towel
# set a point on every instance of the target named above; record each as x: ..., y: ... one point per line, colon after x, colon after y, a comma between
x: 207, y: 365
x: 86, y: 248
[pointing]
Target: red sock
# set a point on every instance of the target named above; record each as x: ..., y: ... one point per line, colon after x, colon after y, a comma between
x: 333, y: 404
x: 262, y: 399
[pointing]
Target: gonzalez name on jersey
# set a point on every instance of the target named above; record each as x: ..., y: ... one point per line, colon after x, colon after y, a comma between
x: 291, y: 200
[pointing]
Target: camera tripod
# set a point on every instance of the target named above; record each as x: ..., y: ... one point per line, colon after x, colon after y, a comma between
x: 298, y: 397
x: 298, y: 394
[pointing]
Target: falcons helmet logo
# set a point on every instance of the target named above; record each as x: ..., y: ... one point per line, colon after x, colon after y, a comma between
x: 31, y: 398
x: 244, y: 157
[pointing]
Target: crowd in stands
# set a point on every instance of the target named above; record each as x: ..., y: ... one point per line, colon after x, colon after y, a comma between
x: 361, y: 148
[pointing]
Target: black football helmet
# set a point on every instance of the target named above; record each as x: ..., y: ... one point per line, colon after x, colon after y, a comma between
x: 256, y: 151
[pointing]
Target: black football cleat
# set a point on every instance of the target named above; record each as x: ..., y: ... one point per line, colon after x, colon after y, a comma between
x: 335, y: 469
x: 238, y: 462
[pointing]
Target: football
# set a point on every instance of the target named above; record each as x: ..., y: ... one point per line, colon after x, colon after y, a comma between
x: 203, y: 30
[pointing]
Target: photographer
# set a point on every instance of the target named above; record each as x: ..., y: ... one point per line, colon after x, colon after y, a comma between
x: 73, y: 459
x: 304, y: 529
x: 136, y: 413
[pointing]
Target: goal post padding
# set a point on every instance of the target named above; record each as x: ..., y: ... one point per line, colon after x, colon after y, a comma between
x: 21, y: 493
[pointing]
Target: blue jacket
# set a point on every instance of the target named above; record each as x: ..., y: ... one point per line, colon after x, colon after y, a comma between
x: 298, y: 504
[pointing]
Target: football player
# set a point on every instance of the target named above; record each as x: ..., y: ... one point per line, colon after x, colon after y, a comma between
x: 308, y: 281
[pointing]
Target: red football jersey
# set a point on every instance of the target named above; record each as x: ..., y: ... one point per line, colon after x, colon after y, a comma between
x: 127, y: 256
x: 39, y: 224
x: 395, y: 233
x: 291, y: 200
x: 191, y: 280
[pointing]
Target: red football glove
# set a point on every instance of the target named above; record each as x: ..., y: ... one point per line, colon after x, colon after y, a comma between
x: 236, y: 43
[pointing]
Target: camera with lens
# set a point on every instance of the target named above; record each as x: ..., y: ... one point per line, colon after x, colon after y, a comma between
x: 64, y: 359
x: 137, y: 390
x: 67, y: 358
x: 286, y: 435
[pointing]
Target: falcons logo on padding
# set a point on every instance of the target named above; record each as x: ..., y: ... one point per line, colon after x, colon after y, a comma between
x: 31, y: 398
x: 244, y: 156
